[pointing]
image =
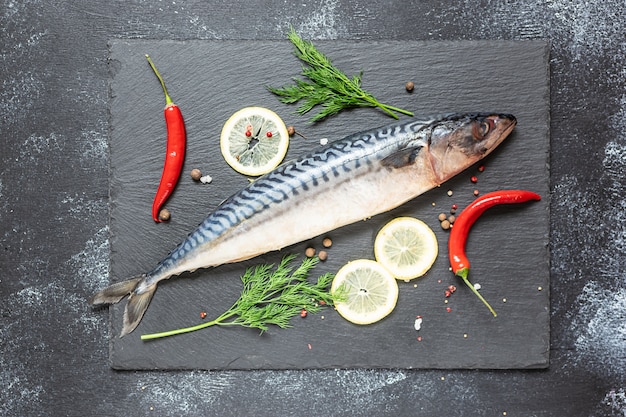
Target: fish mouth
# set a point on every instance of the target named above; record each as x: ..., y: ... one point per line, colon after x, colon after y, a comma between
x: 507, y: 123
x: 512, y: 123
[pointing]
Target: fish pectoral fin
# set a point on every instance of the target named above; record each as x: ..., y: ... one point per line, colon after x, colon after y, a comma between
x: 401, y: 158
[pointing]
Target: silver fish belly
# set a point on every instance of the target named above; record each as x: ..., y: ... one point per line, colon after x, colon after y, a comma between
x: 346, y: 181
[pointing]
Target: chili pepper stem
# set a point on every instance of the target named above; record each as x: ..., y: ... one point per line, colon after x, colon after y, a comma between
x: 168, y: 100
x: 462, y: 273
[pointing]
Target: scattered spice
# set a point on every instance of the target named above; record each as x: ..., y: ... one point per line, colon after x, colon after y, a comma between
x: 448, y: 309
x: 474, y: 179
x: 203, y: 314
x: 196, y: 174
x: 445, y: 224
x: 309, y: 252
x: 409, y: 86
x: 303, y: 313
x: 418, y: 323
x: 442, y: 217
x: 476, y: 193
x: 481, y: 168
x: 323, y: 255
x: 451, y: 219
x: 292, y: 131
x: 327, y: 242
x: 450, y: 193
x: 164, y: 215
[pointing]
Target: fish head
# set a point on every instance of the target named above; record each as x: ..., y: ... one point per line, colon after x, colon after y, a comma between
x: 458, y: 141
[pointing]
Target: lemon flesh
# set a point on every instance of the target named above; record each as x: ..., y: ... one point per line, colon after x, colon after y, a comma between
x: 254, y: 141
x: 407, y: 247
x: 370, y: 291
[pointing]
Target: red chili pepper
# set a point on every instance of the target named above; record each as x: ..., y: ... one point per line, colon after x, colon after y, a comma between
x: 458, y: 236
x: 175, y: 149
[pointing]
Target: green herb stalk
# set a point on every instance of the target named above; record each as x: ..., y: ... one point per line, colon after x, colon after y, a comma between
x: 270, y: 297
x: 327, y: 87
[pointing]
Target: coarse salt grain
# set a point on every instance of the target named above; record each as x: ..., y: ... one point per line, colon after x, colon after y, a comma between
x: 323, y: 141
x: 418, y: 323
x: 206, y: 179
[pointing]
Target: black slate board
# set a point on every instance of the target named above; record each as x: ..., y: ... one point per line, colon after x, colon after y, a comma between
x: 210, y: 80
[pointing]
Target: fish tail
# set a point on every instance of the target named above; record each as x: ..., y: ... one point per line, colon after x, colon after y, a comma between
x: 136, y: 307
x: 137, y: 301
x: 115, y: 292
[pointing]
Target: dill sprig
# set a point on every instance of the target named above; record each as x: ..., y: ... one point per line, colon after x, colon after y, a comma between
x: 270, y: 297
x: 327, y: 87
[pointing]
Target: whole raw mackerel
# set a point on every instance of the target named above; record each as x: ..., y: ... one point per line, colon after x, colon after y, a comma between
x: 348, y: 180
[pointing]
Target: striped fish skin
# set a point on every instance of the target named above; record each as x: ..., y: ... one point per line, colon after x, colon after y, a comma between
x: 343, y: 182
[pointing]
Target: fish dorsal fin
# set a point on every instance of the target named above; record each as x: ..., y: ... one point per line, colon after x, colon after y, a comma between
x: 402, y: 157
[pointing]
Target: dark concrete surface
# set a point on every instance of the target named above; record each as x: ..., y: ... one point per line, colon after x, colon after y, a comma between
x: 54, y: 184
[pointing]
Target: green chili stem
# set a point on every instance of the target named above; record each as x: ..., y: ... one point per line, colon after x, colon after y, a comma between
x: 168, y: 100
x: 463, y: 274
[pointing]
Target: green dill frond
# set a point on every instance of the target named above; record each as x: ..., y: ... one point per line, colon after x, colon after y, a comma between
x: 329, y: 88
x: 271, y: 295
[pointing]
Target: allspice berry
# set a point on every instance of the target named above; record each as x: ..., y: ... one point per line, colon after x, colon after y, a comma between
x: 196, y: 174
x: 164, y: 215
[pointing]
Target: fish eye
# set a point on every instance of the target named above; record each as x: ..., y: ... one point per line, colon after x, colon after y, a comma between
x: 480, y: 130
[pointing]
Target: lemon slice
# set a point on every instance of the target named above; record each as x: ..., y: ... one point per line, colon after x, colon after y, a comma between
x: 370, y: 291
x: 254, y: 141
x: 407, y: 247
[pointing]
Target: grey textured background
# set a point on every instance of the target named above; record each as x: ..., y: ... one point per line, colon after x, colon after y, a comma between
x: 463, y: 76
x: 54, y: 212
